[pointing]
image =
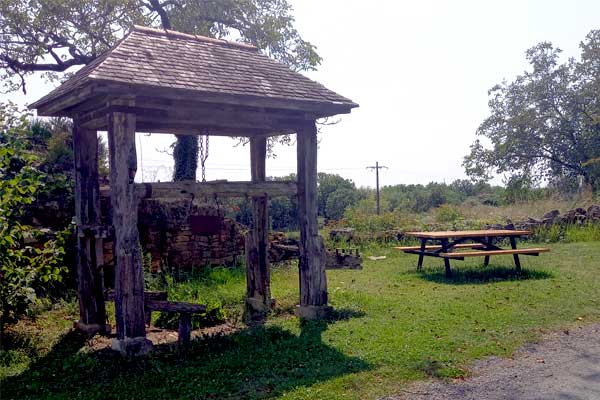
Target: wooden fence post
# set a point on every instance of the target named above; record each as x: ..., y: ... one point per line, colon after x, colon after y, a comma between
x: 258, y: 278
x: 89, y: 255
x: 129, y: 275
x: 313, y: 279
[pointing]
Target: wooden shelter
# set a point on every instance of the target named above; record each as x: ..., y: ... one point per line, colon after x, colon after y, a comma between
x: 170, y: 82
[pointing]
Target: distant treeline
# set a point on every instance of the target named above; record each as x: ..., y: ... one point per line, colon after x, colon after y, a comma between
x: 338, y: 195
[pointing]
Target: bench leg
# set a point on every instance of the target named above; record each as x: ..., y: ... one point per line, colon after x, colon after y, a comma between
x: 513, y: 244
x: 421, y: 255
x: 185, y: 329
x: 148, y: 316
x: 486, y: 259
x: 446, y: 260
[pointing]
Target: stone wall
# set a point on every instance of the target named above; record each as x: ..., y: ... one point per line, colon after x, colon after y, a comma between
x: 174, y: 233
x: 576, y: 216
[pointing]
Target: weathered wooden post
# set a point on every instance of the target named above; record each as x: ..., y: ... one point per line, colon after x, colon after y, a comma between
x: 258, y: 278
x: 89, y: 256
x: 313, y: 280
x: 129, y: 276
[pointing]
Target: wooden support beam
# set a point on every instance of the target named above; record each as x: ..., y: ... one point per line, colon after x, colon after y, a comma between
x: 320, y: 108
x: 58, y: 107
x: 89, y: 255
x: 258, y: 294
x: 186, y: 189
x: 212, y: 117
x: 312, y: 258
x: 129, y: 277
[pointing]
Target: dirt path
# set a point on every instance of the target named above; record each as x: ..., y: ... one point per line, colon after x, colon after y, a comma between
x: 565, y: 365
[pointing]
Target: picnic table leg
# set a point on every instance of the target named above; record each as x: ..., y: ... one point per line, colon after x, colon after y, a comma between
x: 513, y: 244
x: 446, y: 260
x: 421, y: 255
x: 486, y: 260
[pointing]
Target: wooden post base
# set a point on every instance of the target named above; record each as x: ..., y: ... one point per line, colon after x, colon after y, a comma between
x: 132, y: 347
x: 313, y: 312
x: 258, y: 306
x: 92, y: 329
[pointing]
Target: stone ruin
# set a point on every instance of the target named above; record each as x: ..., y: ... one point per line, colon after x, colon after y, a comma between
x: 183, y: 234
x: 576, y: 216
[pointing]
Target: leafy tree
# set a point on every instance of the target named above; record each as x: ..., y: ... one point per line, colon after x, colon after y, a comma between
x: 328, y: 184
x: 25, y: 272
x: 52, y: 36
x: 338, y: 201
x: 546, y: 123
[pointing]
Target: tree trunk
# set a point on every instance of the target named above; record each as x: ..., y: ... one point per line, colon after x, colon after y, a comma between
x: 185, y: 155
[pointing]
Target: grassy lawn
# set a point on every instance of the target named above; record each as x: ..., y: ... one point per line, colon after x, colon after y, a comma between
x: 392, y: 325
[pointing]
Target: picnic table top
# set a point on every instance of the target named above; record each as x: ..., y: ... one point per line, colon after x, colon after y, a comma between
x: 465, y: 234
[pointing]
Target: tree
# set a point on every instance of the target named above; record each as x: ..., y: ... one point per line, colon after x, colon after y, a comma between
x: 329, y: 184
x: 546, y: 123
x: 51, y: 36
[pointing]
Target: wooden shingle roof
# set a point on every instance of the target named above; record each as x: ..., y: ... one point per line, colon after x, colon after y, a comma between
x: 152, y: 58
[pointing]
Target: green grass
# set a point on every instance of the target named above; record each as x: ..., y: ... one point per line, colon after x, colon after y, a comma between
x: 393, y: 325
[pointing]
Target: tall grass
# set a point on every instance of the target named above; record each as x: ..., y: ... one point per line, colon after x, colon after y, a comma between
x: 566, y: 233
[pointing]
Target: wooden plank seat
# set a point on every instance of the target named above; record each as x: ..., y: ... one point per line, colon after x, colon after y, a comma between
x: 439, y: 247
x: 157, y: 301
x: 185, y: 310
x: 529, y: 252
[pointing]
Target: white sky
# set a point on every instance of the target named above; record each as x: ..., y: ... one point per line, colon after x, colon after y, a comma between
x: 420, y: 71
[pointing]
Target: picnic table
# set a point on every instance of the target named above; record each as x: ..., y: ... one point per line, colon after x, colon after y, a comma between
x: 478, y: 242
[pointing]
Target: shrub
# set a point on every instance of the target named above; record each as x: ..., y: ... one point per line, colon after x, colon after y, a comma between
x: 447, y: 213
x: 26, y: 273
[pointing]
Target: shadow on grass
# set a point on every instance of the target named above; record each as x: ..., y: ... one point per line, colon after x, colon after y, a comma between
x: 259, y: 362
x: 482, y: 275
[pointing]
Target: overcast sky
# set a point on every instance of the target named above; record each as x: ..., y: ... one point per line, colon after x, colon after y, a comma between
x: 420, y: 71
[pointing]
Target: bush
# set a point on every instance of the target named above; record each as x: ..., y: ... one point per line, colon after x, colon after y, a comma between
x: 447, y: 213
x: 27, y: 273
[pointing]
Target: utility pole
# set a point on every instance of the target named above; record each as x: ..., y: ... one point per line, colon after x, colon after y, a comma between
x: 377, y: 167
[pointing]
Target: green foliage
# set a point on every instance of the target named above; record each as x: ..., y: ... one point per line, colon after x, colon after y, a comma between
x: 334, y: 195
x: 546, y: 123
x: 447, y: 213
x: 185, y: 154
x: 582, y: 233
x: 572, y: 233
x: 26, y: 273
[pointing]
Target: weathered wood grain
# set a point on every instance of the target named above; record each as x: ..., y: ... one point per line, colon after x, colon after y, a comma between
x: 129, y: 278
x: 89, y: 255
x: 313, y: 280
x: 258, y: 280
x: 175, y: 306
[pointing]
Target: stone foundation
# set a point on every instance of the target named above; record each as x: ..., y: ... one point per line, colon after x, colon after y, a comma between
x: 169, y: 232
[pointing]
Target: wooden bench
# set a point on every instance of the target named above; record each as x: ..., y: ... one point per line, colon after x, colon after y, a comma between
x: 185, y: 310
x: 438, y: 247
x: 529, y: 252
x: 157, y: 301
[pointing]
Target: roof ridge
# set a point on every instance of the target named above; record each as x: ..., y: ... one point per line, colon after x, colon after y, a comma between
x: 206, y: 39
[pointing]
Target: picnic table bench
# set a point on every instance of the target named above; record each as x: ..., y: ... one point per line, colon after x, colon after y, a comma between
x: 481, y: 244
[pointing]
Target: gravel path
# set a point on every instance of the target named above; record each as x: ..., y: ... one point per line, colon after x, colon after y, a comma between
x: 565, y: 365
